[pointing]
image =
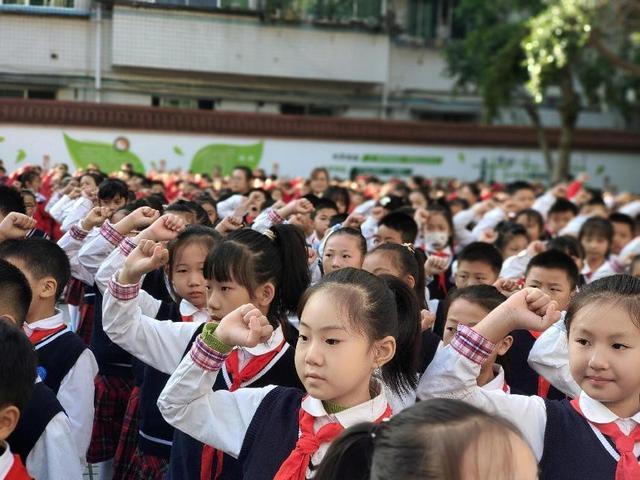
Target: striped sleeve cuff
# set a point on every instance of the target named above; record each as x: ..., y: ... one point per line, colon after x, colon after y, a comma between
x: 205, y: 357
x: 274, y: 217
x: 123, y: 292
x: 78, y: 233
x: 109, y: 232
x: 471, y: 345
x: 126, y: 246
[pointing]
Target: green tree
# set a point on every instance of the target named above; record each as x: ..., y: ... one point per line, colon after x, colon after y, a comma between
x: 519, y: 52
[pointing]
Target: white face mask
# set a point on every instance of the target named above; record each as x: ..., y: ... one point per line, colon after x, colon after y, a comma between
x: 436, y: 240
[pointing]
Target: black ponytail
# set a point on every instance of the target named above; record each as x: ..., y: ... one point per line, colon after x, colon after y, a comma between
x: 399, y: 373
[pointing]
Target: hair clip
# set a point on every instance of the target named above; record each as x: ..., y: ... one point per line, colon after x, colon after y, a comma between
x: 270, y: 235
x: 409, y: 247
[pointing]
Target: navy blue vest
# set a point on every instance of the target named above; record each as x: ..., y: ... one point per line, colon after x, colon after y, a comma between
x: 441, y: 319
x: 519, y: 375
x: 186, y: 453
x: 112, y: 359
x: 152, y: 424
x: 571, y: 449
x: 56, y: 356
x: 39, y: 411
x: 272, y: 434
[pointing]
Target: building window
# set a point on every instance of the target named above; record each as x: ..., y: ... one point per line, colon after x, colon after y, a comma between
x: 173, y: 102
x: 41, y: 3
x: 312, y: 110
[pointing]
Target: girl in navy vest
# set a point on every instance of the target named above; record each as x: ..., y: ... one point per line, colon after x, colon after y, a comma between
x: 434, y: 439
x: 594, y: 436
x: 145, y: 441
x: 268, y: 269
x: 349, y: 325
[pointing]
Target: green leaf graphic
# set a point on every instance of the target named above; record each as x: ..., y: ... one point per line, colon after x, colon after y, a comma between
x: 599, y: 169
x: 21, y: 156
x: 178, y: 151
x: 226, y: 157
x: 102, y: 154
x: 1, y: 139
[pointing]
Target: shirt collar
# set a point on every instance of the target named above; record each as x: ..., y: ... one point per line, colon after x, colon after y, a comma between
x: 596, y: 412
x: 44, y: 324
x: 365, y: 412
x: 188, y: 309
x: 6, y: 460
x: 274, y: 342
x: 498, y: 380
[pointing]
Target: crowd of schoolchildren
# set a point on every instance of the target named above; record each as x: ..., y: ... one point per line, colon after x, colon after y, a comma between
x: 179, y: 326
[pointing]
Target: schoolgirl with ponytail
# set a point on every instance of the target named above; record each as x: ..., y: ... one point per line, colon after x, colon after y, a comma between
x: 352, y: 323
x: 268, y: 269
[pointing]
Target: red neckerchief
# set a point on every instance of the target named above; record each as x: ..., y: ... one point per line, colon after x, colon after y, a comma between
x: 18, y: 470
x: 628, y: 467
x: 505, y: 387
x: 39, y: 335
x: 543, y: 384
x: 295, y: 466
x: 187, y: 318
x: 238, y: 377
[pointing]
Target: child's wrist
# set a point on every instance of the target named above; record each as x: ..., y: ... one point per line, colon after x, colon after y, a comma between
x: 212, y: 340
x: 129, y: 277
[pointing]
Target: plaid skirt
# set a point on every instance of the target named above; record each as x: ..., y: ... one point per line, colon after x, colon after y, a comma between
x: 144, y: 467
x: 111, y: 397
x: 128, y: 441
x: 85, y: 329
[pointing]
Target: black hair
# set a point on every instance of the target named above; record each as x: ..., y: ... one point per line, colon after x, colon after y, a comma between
x: 112, y: 188
x: 597, y: 227
x: 27, y: 177
x: 206, y: 236
x: 205, y: 198
x: 426, y: 441
x: 15, y: 292
x: 18, y: 366
x: 338, y: 219
x: 403, y: 223
x: 507, y: 231
x: 247, y: 171
x: 532, y: 215
x: 618, y: 217
x: 352, y: 232
x: 317, y: 170
x: 323, y: 203
x: 97, y: 177
x: 10, y: 200
x: 622, y: 290
x: 338, y: 195
x: 378, y: 308
x: 251, y: 258
x: 26, y: 192
x: 187, y: 206
x: 482, y: 252
x: 514, y: 187
x: 555, y: 259
x: 41, y: 257
x: 410, y: 261
x: 567, y: 244
x: 487, y: 296
x: 562, y: 205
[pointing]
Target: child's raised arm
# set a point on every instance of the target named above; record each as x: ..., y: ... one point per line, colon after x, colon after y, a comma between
x: 188, y: 403
x: 455, y: 368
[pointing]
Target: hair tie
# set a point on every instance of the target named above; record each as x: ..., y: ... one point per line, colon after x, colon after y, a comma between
x: 269, y: 234
x: 409, y: 247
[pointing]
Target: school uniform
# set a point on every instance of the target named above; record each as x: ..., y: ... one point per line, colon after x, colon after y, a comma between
x: 76, y: 212
x: 566, y: 437
x: 258, y: 426
x: 604, y: 270
x: 69, y: 368
x: 43, y: 438
x: 11, y: 467
x: 440, y: 285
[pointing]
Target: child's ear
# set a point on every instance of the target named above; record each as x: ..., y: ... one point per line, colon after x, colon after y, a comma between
x: 410, y: 281
x: 504, y: 345
x: 265, y: 294
x: 9, y: 417
x: 383, y: 350
x: 47, y: 287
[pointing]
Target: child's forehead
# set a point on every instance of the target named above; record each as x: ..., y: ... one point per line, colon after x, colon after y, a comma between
x: 554, y: 273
